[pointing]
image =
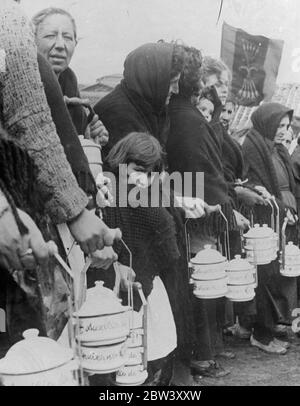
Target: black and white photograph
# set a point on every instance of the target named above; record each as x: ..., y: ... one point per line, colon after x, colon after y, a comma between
x: 149, y: 196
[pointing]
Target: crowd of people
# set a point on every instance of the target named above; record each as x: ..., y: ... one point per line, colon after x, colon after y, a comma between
x: 171, y: 113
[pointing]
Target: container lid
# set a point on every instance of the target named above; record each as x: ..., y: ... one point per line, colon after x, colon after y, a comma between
x: 101, y: 301
x: 239, y: 264
x: 291, y: 249
x: 34, y: 354
x: 259, y: 232
x: 208, y: 256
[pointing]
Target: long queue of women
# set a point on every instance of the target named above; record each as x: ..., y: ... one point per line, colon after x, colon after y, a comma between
x: 168, y: 114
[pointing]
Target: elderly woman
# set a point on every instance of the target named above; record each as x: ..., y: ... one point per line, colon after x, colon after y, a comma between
x: 56, y: 39
x: 26, y: 117
x: 268, y: 165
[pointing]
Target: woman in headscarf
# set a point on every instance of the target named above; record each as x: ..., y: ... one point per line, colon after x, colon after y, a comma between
x: 139, y: 102
x: 268, y: 164
x: 194, y: 147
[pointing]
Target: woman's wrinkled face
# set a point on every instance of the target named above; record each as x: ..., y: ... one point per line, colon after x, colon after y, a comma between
x: 282, y: 130
x: 56, y: 41
x: 174, y: 88
x: 221, y: 84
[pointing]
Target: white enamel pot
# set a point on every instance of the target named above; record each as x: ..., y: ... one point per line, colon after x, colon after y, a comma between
x: 104, y: 359
x: 59, y: 376
x: 211, y: 289
x: 241, y: 293
x: 133, y: 375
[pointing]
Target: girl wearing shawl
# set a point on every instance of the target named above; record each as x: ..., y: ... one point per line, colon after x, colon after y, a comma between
x: 268, y: 164
x: 150, y: 234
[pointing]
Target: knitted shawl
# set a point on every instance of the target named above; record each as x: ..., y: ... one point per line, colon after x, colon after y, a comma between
x: 151, y: 237
x: 138, y: 103
x: 18, y: 178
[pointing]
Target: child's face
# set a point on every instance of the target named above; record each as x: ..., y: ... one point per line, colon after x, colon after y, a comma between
x: 137, y: 175
x: 207, y: 108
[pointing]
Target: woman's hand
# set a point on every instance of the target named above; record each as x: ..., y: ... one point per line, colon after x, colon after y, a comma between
x: 97, y: 131
x: 292, y: 219
x: 103, y: 259
x: 241, y: 221
x: 264, y: 193
x: 92, y: 233
x: 249, y: 197
x: 211, y: 209
x: 19, y: 252
x: 104, y: 196
x: 126, y: 274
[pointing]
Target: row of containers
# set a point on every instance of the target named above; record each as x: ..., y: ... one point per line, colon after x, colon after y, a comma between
x: 214, y: 275
x: 105, y: 337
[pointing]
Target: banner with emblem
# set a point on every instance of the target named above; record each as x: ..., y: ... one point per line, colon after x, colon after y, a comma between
x: 254, y: 61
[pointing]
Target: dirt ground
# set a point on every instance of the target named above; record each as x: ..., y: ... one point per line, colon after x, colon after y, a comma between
x: 254, y: 367
x: 251, y: 367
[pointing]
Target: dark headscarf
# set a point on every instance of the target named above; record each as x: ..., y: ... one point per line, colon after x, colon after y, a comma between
x: 147, y: 72
x: 138, y: 102
x: 267, y: 117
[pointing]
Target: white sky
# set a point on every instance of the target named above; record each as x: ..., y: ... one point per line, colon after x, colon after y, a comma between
x: 110, y: 29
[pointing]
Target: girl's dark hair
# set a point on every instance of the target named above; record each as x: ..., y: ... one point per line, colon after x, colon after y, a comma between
x: 141, y: 148
x: 189, y: 83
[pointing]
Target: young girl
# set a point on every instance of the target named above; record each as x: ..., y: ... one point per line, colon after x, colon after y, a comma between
x: 150, y: 234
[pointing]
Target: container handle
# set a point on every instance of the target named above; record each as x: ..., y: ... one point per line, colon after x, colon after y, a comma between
x: 227, y: 243
x: 283, y: 242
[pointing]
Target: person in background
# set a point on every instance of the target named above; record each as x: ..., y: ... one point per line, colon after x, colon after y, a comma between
x: 194, y: 147
x: 268, y: 164
x: 206, y: 107
x: 227, y: 114
x: 290, y: 141
x: 56, y: 39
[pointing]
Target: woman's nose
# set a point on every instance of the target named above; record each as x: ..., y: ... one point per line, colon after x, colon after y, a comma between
x: 59, y: 42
